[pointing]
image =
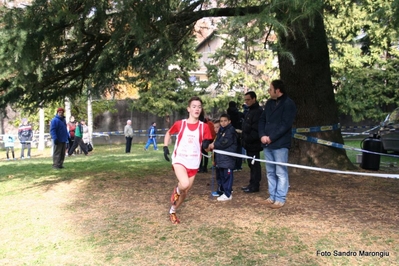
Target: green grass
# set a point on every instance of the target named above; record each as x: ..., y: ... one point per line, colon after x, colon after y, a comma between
x: 26, y: 209
x: 110, y: 208
x: 384, y: 160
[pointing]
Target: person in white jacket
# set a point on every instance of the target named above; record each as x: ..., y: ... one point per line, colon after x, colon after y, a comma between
x: 9, y: 141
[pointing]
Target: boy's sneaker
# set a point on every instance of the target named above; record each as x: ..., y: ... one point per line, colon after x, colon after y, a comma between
x: 277, y: 205
x: 173, y: 218
x: 217, y: 193
x: 224, y: 198
x: 174, y: 197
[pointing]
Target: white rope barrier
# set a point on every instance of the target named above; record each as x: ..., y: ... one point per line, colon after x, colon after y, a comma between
x: 394, y: 176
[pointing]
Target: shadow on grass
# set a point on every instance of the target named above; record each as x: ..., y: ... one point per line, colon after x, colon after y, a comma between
x: 117, y: 205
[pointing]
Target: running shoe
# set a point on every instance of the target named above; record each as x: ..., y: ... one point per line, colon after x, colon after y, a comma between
x: 224, y: 198
x: 173, y: 218
x: 217, y: 193
x: 174, y: 197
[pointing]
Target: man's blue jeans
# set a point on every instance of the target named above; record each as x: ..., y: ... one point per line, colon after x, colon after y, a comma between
x: 277, y: 175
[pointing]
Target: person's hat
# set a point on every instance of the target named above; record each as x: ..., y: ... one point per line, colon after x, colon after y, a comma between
x: 60, y: 109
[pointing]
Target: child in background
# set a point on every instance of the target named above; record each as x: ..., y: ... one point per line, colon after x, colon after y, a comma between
x: 226, y: 140
x: 219, y: 191
x: 9, y: 145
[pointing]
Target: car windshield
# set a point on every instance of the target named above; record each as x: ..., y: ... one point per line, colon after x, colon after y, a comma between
x: 394, y: 117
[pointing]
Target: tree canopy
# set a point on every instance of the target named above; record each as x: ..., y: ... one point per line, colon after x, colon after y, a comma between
x: 53, y: 49
x: 364, y: 52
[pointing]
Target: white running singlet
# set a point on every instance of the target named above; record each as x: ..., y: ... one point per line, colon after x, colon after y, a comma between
x: 187, y: 150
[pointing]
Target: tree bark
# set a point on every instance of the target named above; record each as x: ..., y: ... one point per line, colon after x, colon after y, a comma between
x: 308, y: 80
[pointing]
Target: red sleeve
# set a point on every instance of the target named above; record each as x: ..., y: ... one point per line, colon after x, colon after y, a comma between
x: 211, y: 128
x: 207, y: 132
x: 175, y: 128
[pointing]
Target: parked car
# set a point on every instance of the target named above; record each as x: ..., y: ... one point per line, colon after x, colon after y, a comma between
x: 389, y: 132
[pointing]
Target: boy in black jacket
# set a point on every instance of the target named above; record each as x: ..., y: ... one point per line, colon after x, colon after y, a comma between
x: 226, y: 140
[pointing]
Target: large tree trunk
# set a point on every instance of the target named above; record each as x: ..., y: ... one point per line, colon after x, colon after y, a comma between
x: 309, y: 82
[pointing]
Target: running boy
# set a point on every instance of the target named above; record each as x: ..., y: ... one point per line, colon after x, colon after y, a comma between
x: 226, y: 140
x: 192, y: 134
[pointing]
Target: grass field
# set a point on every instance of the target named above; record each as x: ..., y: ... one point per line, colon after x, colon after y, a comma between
x: 110, y: 208
x: 384, y: 160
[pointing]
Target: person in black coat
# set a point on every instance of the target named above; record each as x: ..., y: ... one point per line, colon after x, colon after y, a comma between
x: 251, y: 141
x: 275, y: 131
x: 236, y: 120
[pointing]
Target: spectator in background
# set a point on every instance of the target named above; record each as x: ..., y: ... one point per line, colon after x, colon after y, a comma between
x: 235, y: 115
x: 9, y: 141
x: 219, y: 190
x: 78, y: 140
x: 236, y: 121
x: 244, y: 113
x: 59, y: 134
x: 128, y: 131
x: 245, y: 109
x: 152, y: 137
x: 226, y: 140
x: 275, y: 127
x: 85, y: 132
x: 25, y: 136
x: 204, y: 159
x: 71, y: 126
x: 251, y: 141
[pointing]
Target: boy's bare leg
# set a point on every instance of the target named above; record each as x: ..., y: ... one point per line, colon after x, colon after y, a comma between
x: 184, y: 185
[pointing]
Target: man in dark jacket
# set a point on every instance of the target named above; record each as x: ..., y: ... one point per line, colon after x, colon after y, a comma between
x: 251, y: 141
x: 59, y: 134
x: 275, y: 131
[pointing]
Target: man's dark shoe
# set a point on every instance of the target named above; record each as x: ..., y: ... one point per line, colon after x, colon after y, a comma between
x: 246, y: 187
x: 251, y: 190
